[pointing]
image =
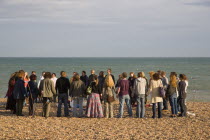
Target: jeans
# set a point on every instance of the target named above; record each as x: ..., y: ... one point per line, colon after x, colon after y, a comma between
x: 32, y: 105
x: 46, y: 106
x: 125, y: 98
x: 19, y: 106
x: 77, y: 100
x: 159, y: 109
x: 165, y: 103
x: 140, y: 110
x: 173, y: 103
x: 63, y: 99
x: 183, y: 107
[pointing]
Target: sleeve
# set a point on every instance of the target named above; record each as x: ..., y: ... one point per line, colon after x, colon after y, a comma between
x: 56, y: 85
x: 113, y: 78
x: 71, y: 89
x: 134, y: 87
x: 53, y: 88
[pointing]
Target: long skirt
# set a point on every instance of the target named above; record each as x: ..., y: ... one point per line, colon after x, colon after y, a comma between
x: 11, y: 104
x: 94, y: 107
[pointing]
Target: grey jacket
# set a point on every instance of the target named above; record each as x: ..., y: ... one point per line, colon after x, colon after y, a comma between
x: 77, y: 89
x: 47, y: 88
x: 139, y: 86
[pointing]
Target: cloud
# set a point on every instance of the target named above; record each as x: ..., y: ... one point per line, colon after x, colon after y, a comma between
x: 199, y: 3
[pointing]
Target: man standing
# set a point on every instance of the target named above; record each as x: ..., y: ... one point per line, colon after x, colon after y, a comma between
x: 62, y: 87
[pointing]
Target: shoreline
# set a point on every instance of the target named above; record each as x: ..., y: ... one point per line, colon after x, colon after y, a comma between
x: 26, y: 127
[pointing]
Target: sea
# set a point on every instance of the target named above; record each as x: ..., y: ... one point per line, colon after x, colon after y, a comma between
x: 196, y: 69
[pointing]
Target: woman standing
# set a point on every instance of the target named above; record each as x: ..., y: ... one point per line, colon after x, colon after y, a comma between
x: 139, y: 90
x: 108, y: 96
x: 33, y: 94
x: 183, y: 84
x: 47, y: 90
x: 77, y: 93
x: 94, y: 108
x: 10, y: 99
x: 54, y: 79
x: 19, y: 93
x: 155, y: 84
x: 172, y: 93
x: 124, y: 96
x: 131, y: 79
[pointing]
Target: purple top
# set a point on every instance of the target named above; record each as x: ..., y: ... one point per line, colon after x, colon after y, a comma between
x: 124, y: 87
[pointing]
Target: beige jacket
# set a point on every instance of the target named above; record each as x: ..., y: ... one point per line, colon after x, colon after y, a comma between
x: 47, y: 88
x: 154, y: 90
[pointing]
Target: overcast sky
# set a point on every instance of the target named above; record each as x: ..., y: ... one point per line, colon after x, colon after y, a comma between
x: 104, y: 28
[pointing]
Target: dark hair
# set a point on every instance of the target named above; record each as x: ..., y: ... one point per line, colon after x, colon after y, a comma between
x: 174, y: 73
x: 33, y: 72
x: 21, y: 71
x: 156, y: 76
x: 33, y: 77
x: 53, y: 74
x: 183, y: 77
x: 101, y: 72
x: 47, y: 75
x: 84, y: 72
x: 124, y: 75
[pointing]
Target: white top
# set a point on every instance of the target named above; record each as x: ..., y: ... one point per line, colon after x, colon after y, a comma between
x: 54, y: 80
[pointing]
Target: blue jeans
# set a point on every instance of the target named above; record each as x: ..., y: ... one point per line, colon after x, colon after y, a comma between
x: 159, y: 110
x: 63, y: 98
x: 126, y: 99
x: 76, y: 113
x: 140, y: 110
x: 173, y: 103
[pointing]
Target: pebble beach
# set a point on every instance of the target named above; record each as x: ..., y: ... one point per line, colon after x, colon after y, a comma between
x: 195, y: 126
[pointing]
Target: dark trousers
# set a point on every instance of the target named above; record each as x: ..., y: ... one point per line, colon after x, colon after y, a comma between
x: 165, y: 103
x: 32, y: 105
x: 159, y: 110
x: 19, y: 106
x: 183, y: 107
x: 63, y: 99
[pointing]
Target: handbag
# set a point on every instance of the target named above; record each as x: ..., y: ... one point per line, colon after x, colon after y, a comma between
x: 162, y: 92
x: 89, y: 90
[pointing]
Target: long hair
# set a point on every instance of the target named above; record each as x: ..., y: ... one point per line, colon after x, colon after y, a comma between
x: 109, y: 81
x: 173, y: 81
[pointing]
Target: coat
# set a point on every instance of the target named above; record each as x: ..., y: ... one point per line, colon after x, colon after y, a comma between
x: 139, y: 86
x: 154, y: 89
x: 19, y: 92
x: 77, y: 89
x: 47, y: 88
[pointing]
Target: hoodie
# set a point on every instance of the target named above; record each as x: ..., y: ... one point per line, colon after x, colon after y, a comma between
x: 139, y: 86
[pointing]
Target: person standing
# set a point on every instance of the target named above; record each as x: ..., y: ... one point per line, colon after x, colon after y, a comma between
x: 101, y: 79
x: 62, y: 87
x: 47, y: 90
x: 155, y: 85
x: 94, y: 107
x: 109, y: 72
x: 33, y: 93
x: 139, y: 90
x: 84, y: 78
x: 124, y: 96
x: 77, y: 93
x: 91, y: 77
x: 19, y: 93
x: 131, y: 79
x: 172, y: 94
x: 108, y: 96
x: 54, y: 79
x: 183, y: 84
x: 165, y: 86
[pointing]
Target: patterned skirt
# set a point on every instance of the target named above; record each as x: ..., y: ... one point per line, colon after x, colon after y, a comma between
x: 94, y: 107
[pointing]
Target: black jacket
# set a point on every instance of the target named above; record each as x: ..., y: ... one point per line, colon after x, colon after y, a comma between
x: 62, y: 85
x: 19, y: 91
x: 33, y: 89
x: 95, y: 88
x: 84, y: 79
x: 182, y: 93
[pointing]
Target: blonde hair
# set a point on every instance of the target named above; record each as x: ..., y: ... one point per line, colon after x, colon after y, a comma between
x: 173, y: 81
x: 151, y: 73
x: 141, y: 74
x: 109, y: 81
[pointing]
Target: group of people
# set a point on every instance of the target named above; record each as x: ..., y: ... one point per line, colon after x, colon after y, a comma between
x: 98, y: 89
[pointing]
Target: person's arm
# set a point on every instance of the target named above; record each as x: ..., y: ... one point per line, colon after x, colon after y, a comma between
x: 56, y: 85
x: 53, y: 88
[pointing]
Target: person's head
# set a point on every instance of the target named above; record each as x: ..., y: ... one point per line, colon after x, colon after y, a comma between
x: 141, y: 74
x: 92, y: 71
x: 33, y: 72
x: 159, y: 71
x: 120, y: 76
x: 182, y: 77
x: 156, y: 76
x: 109, y: 71
x: 33, y: 77
x: 101, y: 74
x: 163, y: 73
x: 47, y: 75
x: 83, y: 73
x: 53, y: 75
x: 74, y: 73
x: 26, y: 74
x: 173, y: 73
x: 131, y: 74
x: 22, y: 71
x: 21, y: 75
x: 43, y: 73
x: 151, y: 73
x: 76, y: 77
x: 63, y: 74
x: 173, y: 81
x: 124, y: 75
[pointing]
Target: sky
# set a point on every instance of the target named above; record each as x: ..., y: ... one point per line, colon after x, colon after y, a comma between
x: 104, y: 28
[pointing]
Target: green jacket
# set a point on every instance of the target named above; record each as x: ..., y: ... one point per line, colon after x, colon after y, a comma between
x: 77, y: 89
x: 47, y: 88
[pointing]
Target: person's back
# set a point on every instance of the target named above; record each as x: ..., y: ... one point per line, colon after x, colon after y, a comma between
x: 77, y: 89
x: 19, y: 91
x: 48, y: 88
x: 62, y: 85
x: 140, y: 86
x: 32, y: 87
x: 124, y: 87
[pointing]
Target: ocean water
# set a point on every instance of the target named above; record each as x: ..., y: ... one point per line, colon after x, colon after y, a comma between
x: 196, y: 69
